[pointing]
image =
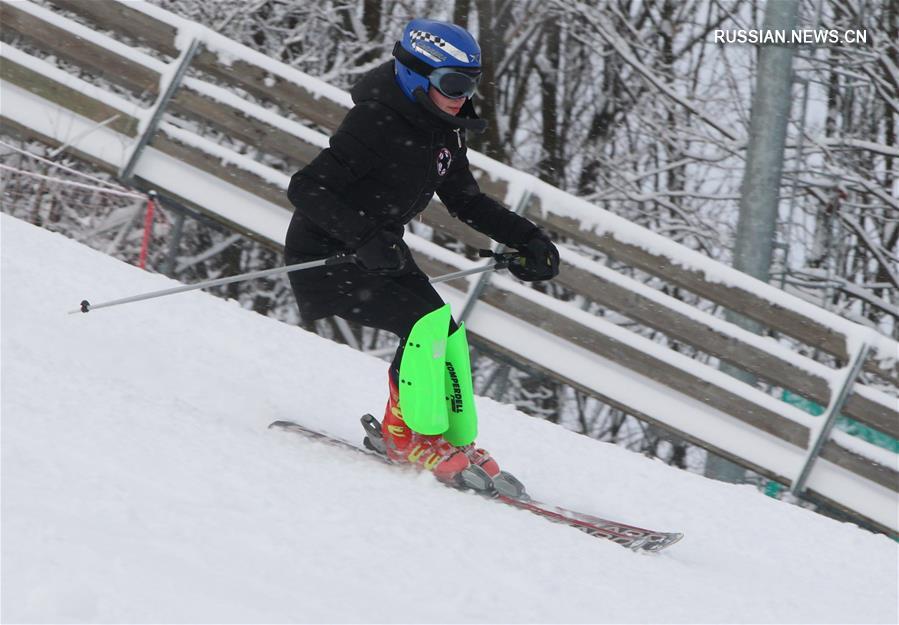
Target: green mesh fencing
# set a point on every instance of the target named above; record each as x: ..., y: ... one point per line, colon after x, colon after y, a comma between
x: 845, y: 424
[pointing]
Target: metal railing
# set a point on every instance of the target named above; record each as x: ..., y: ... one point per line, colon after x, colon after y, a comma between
x: 258, y: 207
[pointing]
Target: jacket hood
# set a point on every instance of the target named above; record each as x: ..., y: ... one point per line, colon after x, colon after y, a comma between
x: 380, y: 85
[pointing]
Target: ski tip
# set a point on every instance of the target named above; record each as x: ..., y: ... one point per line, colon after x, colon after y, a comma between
x: 280, y: 424
x: 651, y: 545
x: 640, y: 544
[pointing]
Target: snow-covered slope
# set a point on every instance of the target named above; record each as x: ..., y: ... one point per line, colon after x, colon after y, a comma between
x: 139, y: 483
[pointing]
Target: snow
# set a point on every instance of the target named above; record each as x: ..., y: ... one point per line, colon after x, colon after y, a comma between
x: 225, y: 156
x: 266, y: 219
x: 253, y: 110
x: 599, y: 221
x: 861, y: 447
x: 231, y: 203
x: 140, y: 485
x: 834, y: 377
x: 229, y: 51
x: 623, y: 386
x: 31, y: 111
x: 552, y: 199
x: 88, y: 34
x: 166, y: 80
x: 764, y: 343
x: 875, y: 395
x: 64, y: 78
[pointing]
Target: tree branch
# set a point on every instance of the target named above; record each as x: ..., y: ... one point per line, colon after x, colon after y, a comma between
x: 872, y: 247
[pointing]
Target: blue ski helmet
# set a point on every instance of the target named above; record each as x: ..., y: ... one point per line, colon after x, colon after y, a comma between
x: 428, y: 45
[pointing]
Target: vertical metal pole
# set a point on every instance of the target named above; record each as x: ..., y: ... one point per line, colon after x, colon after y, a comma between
x: 159, y: 109
x: 475, y: 292
x: 838, y: 399
x: 347, y: 333
x: 760, y: 193
x: 502, y: 372
x: 500, y: 377
x: 503, y: 381
x: 174, y: 245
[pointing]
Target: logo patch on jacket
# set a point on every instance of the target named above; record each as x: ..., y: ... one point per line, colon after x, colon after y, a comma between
x: 444, y: 158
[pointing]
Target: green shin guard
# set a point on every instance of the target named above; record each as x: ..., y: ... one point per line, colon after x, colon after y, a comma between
x: 422, y: 376
x: 460, y: 408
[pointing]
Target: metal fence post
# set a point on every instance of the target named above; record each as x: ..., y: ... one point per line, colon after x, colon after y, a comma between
x: 347, y: 333
x: 475, y: 292
x: 501, y: 374
x: 830, y: 417
x: 158, y: 109
x: 760, y: 190
x: 174, y: 244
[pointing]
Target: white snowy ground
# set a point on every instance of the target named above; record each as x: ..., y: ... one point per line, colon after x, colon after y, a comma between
x: 139, y: 484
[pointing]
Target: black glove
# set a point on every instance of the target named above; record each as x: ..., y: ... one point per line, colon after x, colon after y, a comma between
x: 384, y: 253
x: 538, y: 260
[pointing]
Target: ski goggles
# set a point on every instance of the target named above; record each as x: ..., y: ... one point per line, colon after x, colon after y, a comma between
x: 455, y: 83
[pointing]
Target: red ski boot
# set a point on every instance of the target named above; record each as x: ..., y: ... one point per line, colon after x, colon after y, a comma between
x: 482, y: 458
x: 431, y: 452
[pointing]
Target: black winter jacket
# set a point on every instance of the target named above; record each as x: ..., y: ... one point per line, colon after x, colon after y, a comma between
x: 384, y: 164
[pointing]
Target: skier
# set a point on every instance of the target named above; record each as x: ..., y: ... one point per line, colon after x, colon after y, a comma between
x: 403, y: 141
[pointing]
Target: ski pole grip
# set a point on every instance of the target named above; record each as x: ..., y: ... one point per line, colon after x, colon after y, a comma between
x: 340, y: 259
x: 502, y: 258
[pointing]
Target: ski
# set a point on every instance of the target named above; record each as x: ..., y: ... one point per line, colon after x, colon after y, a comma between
x: 506, y: 489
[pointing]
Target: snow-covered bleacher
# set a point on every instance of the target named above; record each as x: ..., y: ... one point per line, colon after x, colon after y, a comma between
x: 286, y: 115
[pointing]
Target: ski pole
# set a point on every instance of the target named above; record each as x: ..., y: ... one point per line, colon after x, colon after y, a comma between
x: 501, y: 261
x: 338, y: 259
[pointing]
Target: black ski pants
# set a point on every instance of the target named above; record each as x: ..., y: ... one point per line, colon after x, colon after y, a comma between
x: 393, y: 304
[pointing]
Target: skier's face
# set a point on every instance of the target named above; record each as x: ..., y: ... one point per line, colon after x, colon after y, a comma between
x: 450, y: 106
